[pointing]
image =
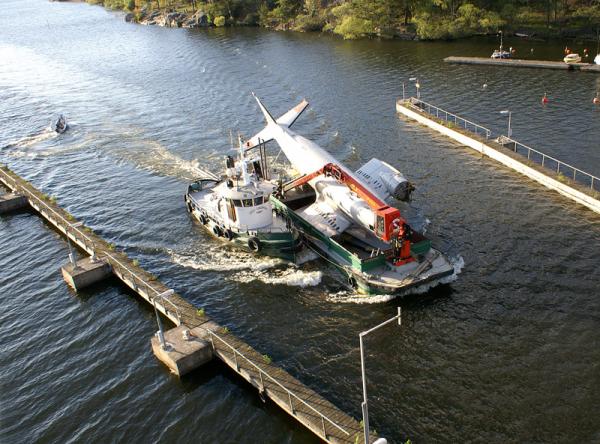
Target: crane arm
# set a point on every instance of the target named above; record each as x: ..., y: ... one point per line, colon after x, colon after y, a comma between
x: 389, y: 224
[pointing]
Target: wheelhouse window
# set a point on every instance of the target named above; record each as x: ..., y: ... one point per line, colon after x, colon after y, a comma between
x: 236, y: 202
x: 247, y: 202
x: 258, y: 200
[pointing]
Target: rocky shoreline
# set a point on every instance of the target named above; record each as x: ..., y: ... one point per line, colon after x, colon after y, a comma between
x: 198, y: 19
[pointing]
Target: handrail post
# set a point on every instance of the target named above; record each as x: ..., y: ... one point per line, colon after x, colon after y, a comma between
x: 291, y: 405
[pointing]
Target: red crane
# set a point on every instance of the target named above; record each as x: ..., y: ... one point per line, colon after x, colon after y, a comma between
x: 389, y: 224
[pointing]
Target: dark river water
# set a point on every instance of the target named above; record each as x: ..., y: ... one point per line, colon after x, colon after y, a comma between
x: 510, y: 352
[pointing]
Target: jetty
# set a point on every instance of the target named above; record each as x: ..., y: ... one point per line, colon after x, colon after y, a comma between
x: 571, y: 182
x: 520, y: 63
x: 196, y: 338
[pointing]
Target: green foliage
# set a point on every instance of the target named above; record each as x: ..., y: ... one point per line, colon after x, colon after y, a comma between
x: 224, y: 330
x: 267, y: 359
x: 354, y: 28
x: 309, y: 23
x: 135, y: 263
x: 263, y: 14
x: 200, y: 312
x: 468, y: 20
x: 430, y: 19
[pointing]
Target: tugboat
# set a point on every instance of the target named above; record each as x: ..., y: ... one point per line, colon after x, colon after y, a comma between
x: 237, y: 209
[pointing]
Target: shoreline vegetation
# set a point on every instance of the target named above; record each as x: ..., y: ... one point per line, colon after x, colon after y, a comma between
x: 387, y: 19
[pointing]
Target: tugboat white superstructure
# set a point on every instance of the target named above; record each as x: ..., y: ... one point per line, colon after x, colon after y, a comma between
x: 237, y: 208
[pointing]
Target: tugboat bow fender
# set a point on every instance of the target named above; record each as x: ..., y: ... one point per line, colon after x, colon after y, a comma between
x: 254, y: 244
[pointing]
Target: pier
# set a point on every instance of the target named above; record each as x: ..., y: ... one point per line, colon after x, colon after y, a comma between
x: 520, y: 63
x: 196, y: 339
x: 571, y: 182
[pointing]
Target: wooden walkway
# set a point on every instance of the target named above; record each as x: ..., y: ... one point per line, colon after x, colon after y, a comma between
x: 519, y: 63
x: 302, y: 403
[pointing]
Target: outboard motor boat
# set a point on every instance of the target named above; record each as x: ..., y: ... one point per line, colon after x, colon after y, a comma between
x: 59, y: 125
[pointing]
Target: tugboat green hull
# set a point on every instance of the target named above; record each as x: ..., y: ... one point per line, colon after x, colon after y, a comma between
x: 281, y: 243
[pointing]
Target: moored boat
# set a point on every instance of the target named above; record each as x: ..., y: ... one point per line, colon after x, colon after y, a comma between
x: 572, y: 58
x: 500, y: 53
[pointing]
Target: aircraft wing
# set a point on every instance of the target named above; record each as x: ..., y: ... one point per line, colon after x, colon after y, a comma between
x: 325, y: 219
x: 286, y: 119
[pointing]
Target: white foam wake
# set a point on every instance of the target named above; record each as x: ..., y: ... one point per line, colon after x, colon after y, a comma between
x: 248, y: 268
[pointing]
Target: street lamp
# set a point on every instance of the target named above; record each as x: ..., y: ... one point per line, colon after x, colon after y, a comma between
x: 364, y: 405
x: 71, y: 252
x: 505, y: 112
x: 417, y: 85
x: 161, y: 333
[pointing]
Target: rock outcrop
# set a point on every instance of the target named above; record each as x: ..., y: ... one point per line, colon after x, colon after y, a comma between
x: 199, y: 19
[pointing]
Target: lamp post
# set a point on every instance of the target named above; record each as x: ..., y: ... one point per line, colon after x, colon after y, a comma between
x: 505, y: 112
x: 161, y: 334
x: 364, y: 405
x: 417, y: 85
x: 71, y: 252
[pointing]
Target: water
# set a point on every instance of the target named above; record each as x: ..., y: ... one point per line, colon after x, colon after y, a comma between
x: 508, y: 352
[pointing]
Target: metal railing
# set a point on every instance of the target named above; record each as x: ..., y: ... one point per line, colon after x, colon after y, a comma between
x: 458, y: 121
x: 88, y: 244
x: 552, y: 163
x: 261, y: 372
x: 66, y: 226
x: 140, y: 284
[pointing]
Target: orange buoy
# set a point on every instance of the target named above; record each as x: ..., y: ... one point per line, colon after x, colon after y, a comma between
x: 545, y: 98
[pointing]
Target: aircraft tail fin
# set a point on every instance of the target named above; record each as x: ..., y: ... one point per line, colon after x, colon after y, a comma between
x: 268, y: 117
x: 287, y: 119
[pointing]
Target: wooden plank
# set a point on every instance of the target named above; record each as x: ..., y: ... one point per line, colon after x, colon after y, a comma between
x: 520, y: 63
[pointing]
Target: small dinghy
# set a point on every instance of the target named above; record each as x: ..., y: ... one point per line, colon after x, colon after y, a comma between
x: 59, y: 124
x: 238, y: 209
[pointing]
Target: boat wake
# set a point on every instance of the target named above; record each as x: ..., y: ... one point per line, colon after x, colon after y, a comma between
x: 156, y: 158
x: 29, y: 141
x: 351, y: 297
x: 292, y: 276
x: 220, y: 259
x: 248, y: 269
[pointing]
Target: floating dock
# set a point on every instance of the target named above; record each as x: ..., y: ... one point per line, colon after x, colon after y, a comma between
x: 520, y: 63
x: 195, y: 339
x: 566, y: 179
